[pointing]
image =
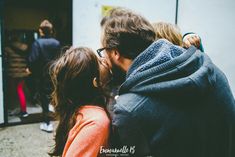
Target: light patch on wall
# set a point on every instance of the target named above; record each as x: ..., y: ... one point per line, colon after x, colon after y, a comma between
x: 105, y: 10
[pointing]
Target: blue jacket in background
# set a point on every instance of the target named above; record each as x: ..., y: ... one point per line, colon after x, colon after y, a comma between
x: 44, y: 50
x: 175, y: 103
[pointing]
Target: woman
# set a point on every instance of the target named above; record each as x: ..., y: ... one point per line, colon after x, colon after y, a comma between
x: 78, y: 78
x: 173, y: 34
x: 168, y: 31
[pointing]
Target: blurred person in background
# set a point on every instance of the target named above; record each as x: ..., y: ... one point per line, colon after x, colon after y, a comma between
x: 44, y: 50
x: 16, y: 53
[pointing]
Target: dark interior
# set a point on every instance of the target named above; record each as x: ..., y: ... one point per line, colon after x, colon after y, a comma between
x: 22, y: 18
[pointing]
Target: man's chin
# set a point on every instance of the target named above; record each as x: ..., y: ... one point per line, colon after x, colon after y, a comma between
x: 119, y: 76
x: 119, y: 79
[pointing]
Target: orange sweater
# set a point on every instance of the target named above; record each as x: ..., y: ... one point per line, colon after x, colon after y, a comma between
x: 90, y: 132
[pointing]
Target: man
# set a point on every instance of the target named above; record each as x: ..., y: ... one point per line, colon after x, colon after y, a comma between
x: 173, y: 102
x: 44, y: 50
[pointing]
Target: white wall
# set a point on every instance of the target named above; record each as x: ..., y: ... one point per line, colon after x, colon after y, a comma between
x: 87, y: 16
x: 1, y: 88
x: 214, y: 21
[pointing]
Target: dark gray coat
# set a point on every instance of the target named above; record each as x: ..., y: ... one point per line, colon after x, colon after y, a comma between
x: 175, y: 103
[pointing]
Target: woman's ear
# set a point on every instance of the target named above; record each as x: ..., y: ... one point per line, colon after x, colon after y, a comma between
x: 95, y: 84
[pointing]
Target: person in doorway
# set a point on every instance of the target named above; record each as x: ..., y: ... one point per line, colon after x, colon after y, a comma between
x: 173, y: 101
x: 44, y: 50
x: 80, y: 103
x: 16, y: 53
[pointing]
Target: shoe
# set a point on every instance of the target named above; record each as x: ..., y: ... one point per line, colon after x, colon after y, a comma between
x: 23, y: 114
x: 51, y: 108
x: 46, y: 127
x: 14, y: 112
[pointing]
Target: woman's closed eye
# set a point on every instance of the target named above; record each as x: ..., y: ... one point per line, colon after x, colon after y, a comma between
x: 105, y: 72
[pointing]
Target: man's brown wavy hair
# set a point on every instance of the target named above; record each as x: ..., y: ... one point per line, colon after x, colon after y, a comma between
x: 126, y: 31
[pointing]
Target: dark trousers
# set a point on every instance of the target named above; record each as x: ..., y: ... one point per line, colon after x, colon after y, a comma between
x: 44, y: 101
x: 44, y: 98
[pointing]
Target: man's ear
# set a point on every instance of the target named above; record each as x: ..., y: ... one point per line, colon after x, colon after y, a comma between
x: 95, y: 84
x: 116, y: 55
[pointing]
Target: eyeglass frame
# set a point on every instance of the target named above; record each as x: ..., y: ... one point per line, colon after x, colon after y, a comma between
x: 100, y: 50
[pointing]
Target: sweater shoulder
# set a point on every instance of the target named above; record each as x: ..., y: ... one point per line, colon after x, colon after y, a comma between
x: 95, y: 115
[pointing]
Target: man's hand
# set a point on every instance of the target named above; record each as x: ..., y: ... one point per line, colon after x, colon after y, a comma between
x: 191, y: 39
x: 28, y: 71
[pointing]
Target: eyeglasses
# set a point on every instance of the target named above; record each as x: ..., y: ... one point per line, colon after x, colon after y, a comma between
x: 101, y: 52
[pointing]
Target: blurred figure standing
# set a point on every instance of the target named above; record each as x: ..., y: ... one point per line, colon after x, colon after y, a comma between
x: 44, y: 50
x: 16, y: 53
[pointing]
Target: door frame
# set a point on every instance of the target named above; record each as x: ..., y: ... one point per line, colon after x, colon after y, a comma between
x: 2, y: 90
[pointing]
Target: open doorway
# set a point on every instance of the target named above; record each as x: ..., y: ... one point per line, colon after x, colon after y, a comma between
x: 21, y: 20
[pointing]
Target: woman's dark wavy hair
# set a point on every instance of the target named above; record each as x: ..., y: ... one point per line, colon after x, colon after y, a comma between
x: 72, y: 75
